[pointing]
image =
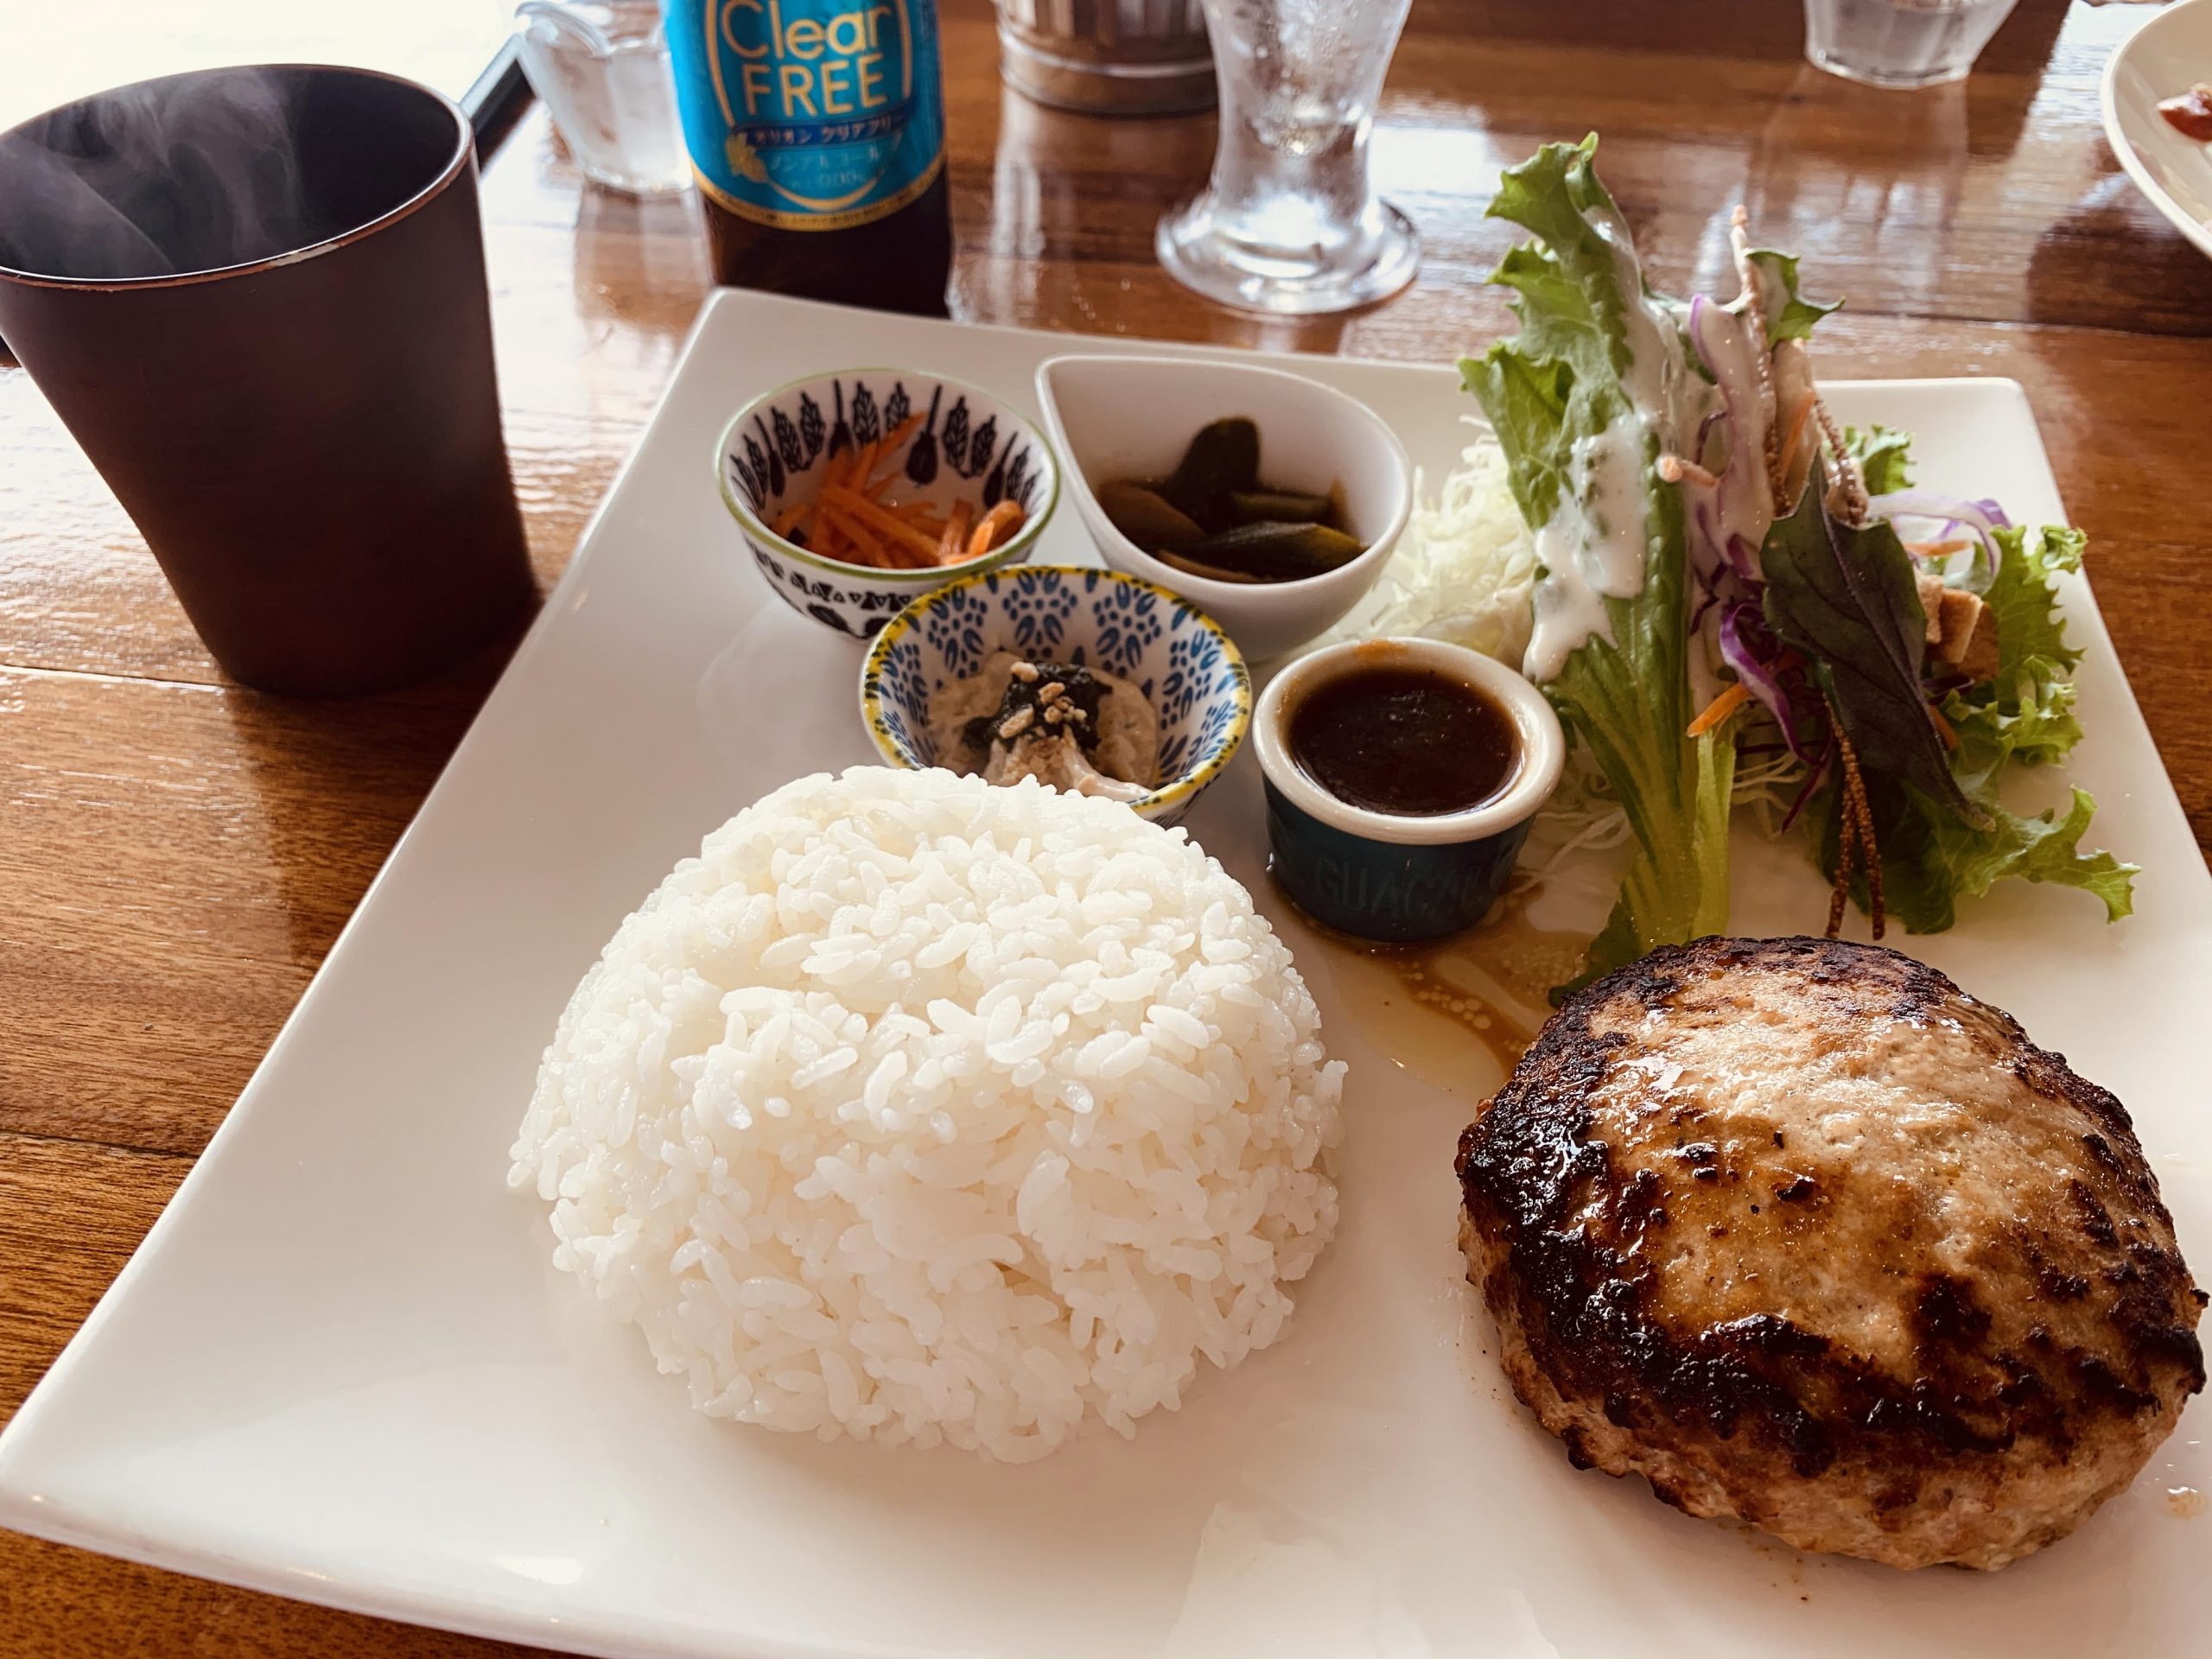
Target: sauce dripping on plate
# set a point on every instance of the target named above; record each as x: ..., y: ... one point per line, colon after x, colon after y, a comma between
x: 1457, y: 1013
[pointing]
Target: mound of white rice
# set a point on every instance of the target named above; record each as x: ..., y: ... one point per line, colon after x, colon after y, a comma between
x: 917, y: 1110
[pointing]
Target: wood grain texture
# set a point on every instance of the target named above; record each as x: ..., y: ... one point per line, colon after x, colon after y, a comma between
x: 64, y: 1603
x: 177, y: 854
x: 70, y: 1215
x: 189, y: 853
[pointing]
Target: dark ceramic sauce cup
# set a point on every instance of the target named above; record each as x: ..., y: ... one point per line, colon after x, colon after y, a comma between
x: 257, y: 298
x: 1387, y: 876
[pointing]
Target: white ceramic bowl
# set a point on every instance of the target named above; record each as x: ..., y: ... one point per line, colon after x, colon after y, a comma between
x: 2171, y: 52
x: 972, y: 447
x: 1133, y: 417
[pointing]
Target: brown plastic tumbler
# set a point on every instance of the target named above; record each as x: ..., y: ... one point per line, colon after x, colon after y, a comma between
x: 256, y: 297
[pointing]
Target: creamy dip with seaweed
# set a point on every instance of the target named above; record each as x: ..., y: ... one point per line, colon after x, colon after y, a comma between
x: 1076, y: 729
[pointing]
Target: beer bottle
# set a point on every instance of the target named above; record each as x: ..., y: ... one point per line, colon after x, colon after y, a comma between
x: 816, y: 131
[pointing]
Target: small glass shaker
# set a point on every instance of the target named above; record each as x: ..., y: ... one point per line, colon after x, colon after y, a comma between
x: 603, y: 68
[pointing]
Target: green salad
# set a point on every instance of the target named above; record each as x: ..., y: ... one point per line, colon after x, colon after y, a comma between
x: 1726, y: 593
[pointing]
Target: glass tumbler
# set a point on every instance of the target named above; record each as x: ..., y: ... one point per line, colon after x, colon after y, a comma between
x: 1900, y: 44
x: 603, y: 68
x: 1290, y: 222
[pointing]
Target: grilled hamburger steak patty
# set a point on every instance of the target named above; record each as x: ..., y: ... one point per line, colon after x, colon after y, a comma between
x: 1803, y: 1233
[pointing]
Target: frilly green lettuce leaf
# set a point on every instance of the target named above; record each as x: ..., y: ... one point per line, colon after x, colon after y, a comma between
x: 1931, y: 861
x: 1884, y: 455
x: 1790, y: 314
x: 2030, y: 639
x: 2026, y: 711
x: 1558, y: 380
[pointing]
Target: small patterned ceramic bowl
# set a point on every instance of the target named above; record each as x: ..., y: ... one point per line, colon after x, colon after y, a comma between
x: 1170, y: 649
x: 971, y: 446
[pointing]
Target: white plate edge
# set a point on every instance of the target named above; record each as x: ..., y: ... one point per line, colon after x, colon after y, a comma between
x: 248, y: 1101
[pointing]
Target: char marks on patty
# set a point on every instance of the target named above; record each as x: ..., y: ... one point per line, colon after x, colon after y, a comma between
x: 1803, y: 1233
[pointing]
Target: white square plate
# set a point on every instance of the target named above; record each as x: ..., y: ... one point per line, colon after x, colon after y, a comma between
x: 342, y: 1368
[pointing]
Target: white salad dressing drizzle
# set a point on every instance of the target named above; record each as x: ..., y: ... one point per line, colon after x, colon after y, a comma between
x: 1595, y: 544
x: 1658, y: 380
x: 1592, y: 548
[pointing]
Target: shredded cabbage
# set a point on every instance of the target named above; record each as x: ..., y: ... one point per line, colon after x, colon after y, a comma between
x: 1465, y: 569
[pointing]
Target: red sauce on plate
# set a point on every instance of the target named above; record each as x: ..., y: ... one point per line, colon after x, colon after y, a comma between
x: 2191, y: 114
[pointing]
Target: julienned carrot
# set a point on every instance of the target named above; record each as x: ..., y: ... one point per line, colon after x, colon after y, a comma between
x: 891, y: 526
x: 1937, y: 549
x: 993, y: 527
x: 788, y: 519
x: 907, y: 554
x: 952, y: 545
x: 882, y: 469
x: 1944, y: 727
x: 822, y: 535
x: 870, y: 550
x: 895, y: 439
x: 863, y: 463
x: 888, y: 551
x: 1720, y: 708
x: 830, y: 538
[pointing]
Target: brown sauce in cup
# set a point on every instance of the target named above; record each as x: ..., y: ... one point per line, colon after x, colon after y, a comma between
x: 1404, y: 739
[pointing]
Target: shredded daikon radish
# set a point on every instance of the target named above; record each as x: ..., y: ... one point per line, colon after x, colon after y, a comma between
x: 1465, y: 570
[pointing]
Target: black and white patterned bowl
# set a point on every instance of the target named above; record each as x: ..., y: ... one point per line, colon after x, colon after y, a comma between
x: 972, y: 445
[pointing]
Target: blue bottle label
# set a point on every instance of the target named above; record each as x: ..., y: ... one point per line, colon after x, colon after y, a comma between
x: 811, y: 114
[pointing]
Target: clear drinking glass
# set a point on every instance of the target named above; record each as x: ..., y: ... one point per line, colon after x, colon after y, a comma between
x: 603, y: 68
x: 1900, y: 43
x: 1290, y: 222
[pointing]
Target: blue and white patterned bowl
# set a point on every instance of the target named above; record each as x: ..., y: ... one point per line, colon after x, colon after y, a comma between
x: 972, y: 445
x: 1170, y: 649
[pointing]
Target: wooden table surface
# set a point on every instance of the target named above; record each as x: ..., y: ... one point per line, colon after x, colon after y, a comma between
x: 177, y: 854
